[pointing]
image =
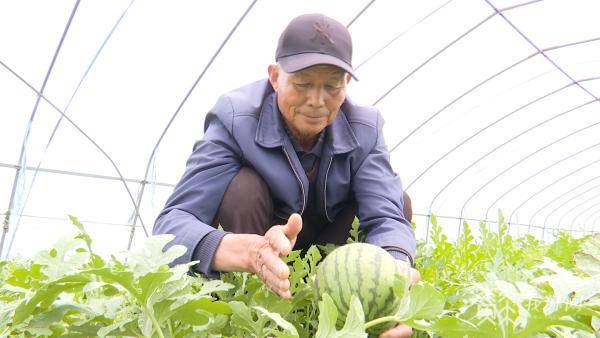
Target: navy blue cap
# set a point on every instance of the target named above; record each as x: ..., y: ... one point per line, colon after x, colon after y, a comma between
x: 313, y: 39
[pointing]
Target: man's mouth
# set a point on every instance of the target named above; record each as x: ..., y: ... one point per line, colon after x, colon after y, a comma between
x: 315, y: 116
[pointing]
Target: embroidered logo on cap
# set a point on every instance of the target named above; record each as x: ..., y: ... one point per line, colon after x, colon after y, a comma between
x: 322, y: 33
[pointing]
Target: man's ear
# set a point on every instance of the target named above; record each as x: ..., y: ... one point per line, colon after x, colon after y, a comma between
x: 274, y: 76
x: 348, y: 77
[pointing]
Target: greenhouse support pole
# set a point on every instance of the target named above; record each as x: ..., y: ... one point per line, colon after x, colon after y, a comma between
x: 543, y: 233
x: 4, y: 231
x: 8, y: 212
x: 136, y: 214
x: 22, y: 158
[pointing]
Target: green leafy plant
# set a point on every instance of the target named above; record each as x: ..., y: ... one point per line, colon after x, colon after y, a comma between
x: 490, y: 285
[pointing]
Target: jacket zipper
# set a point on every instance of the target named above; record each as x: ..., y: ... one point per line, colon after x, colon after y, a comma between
x: 298, y: 178
x: 325, y: 190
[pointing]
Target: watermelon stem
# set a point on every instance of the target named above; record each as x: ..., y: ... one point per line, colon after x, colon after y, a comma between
x: 381, y: 320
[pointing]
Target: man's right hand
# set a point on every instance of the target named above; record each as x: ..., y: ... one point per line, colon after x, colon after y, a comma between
x: 261, y: 254
x: 265, y: 255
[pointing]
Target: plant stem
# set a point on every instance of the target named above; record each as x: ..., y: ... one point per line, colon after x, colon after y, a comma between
x: 155, y: 323
x: 381, y: 320
x: 170, y: 327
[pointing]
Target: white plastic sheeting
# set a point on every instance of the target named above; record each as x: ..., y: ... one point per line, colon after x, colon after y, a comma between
x: 488, y: 104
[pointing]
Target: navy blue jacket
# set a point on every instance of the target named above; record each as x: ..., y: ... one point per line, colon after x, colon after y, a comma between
x: 245, y: 128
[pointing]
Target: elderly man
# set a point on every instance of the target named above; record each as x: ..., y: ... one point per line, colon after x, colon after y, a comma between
x: 287, y: 162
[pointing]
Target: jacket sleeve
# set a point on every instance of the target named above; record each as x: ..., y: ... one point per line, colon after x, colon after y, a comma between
x: 378, y: 193
x: 193, y: 204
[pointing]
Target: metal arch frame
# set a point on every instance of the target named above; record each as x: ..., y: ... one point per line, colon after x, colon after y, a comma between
x: 549, y: 185
x: 543, y: 53
x: 544, y: 229
x: 596, y: 99
x: 81, y: 220
x: 559, y: 197
x: 447, y: 46
x: 584, y: 211
x: 568, y: 201
x: 21, y: 161
x: 122, y: 179
x: 538, y: 49
x: 498, y: 147
x: 503, y: 117
x: 590, y: 216
x: 595, y: 221
x: 491, y: 221
x: 433, y: 57
x: 521, y: 160
x: 472, y: 136
x: 359, y: 14
x: 58, y: 123
x: 420, y: 21
x: 531, y: 176
x: 81, y: 174
x: 558, y: 229
x: 560, y: 219
x: 436, y: 54
x: 134, y: 217
x: 401, y: 34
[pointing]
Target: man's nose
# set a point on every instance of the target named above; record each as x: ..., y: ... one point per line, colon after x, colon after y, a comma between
x: 316, y: 97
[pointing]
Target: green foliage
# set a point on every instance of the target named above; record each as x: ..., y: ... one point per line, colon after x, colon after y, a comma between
x: 485, y: 285
x: 354, y: 326
x: 499, y: 286
x: 357, y: 235
x: 562, y: 250
x: 71, y: 291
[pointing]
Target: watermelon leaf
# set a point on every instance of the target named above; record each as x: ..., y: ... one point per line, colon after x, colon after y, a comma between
x: 425, y: 303
x: 354, y: 326
x: 452, y: 327
x: 151, y: 257
x: 356, y: 234
x: 289, y: 329
x: 67, y: 256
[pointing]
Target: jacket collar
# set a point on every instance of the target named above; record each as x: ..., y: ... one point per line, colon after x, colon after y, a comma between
x: 270, y: 132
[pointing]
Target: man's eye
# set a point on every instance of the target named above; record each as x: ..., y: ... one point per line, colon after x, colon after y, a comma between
x: 303, y: 85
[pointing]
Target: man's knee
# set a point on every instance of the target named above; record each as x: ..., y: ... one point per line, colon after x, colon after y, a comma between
x: 247, y: 206
x: 407, y: 208
x: 248, y: 187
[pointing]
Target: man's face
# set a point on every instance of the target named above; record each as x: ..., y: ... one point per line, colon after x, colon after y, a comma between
x: 309, y: 99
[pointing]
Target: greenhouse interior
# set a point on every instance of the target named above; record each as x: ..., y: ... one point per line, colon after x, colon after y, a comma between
x: 491, y: 113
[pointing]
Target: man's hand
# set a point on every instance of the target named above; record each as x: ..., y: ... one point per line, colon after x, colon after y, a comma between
x: 265, y: 255
x: 402, y: 330
x: 261, y: 254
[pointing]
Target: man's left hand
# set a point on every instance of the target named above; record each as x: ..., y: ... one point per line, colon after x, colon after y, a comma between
x: 402, y: 330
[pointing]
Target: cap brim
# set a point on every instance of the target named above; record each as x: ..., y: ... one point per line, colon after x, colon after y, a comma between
x: 294, y: 63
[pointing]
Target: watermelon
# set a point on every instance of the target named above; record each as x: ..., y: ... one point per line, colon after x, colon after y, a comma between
x: 361, y: 269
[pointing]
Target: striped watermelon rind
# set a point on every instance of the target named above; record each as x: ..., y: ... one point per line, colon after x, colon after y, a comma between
x: 361, y: 269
